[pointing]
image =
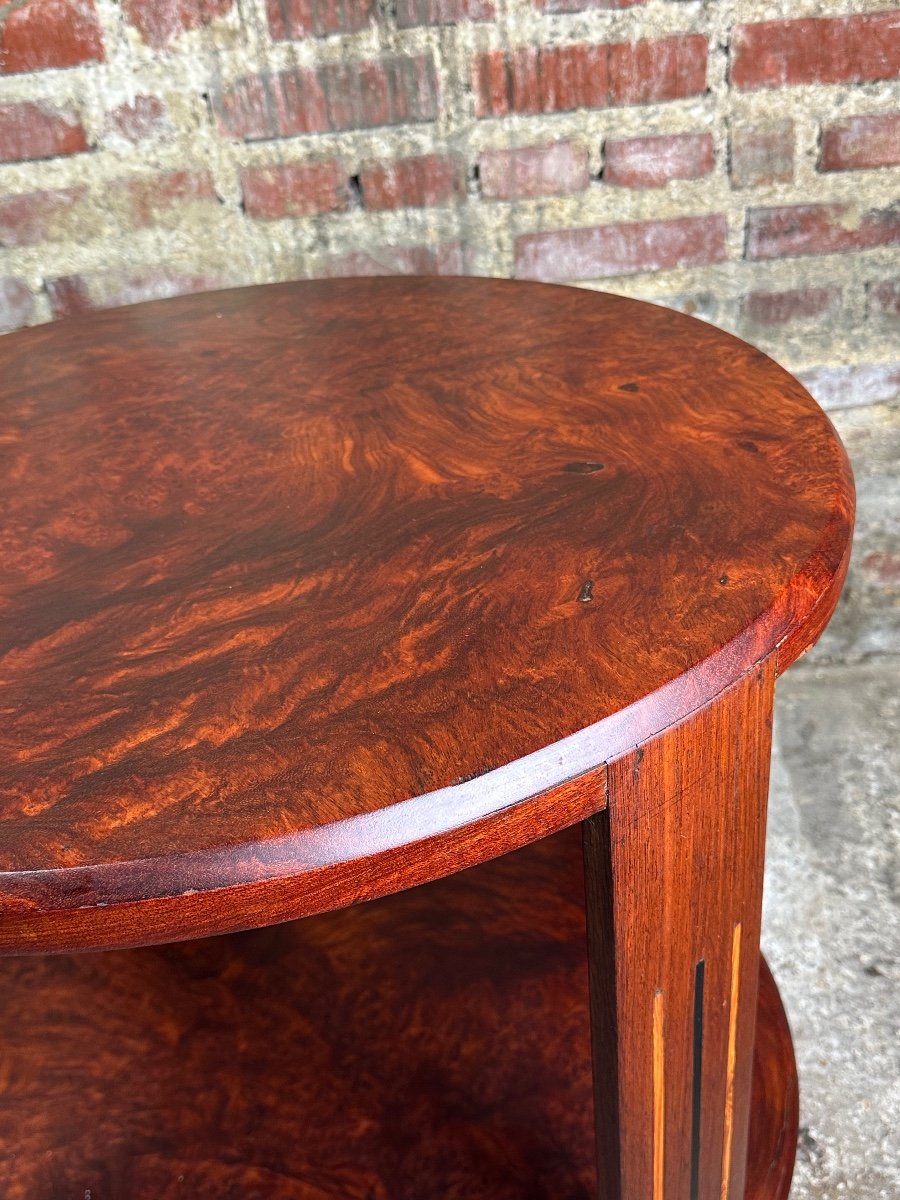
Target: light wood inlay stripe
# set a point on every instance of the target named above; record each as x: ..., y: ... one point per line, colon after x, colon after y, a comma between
x: 732, y: 1054
x: 659, y: 1096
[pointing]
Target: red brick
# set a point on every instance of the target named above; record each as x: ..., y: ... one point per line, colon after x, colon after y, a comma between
x: 762, y: 154
x: 624, y: 249
x: 490, y: 83
x: 317, y: 18
x: 33, y: 217
x: 885, y: 296
x: 651, y: 162
x: 583, y: 75
x: 264, y: 106
x: 872, y: 141
x: 417, y: 182
x: 393, y: 90
x: 795, y: 304
x: 29, y: 131
x: 529, y: 171
x: 647, y: 72
x: 73, y: 294
x: 41, y: 34
x: 566, y: 6
x: 855, y: 49
x: 852, y: 386
x: 68, y: 295
x: 818, y: 229
x: 295, y: 189
x: 137, y: 120
x: 442, y: 12
x: 883, y: 565
x: 149, y: 198
x: 159, y: 21
x: 16, y: 303
x: 446, y: 259
x: 151, y: 285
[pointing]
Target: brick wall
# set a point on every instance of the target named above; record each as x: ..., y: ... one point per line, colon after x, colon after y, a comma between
x: 738, y: 159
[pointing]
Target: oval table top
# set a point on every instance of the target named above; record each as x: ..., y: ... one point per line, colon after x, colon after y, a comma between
x: 318, y: 590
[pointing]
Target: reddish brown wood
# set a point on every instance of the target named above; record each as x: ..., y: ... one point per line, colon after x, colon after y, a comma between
x: 775, y: 1108
x: 431, y: 1044
x: 317, y: 591
x: 674, y: 867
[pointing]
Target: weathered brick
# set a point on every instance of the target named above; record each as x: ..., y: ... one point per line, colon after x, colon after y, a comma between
x: 442, y: 12
x: 151, y: 199
x: 68, y: 295
x: 881, y: 564
x: 871, y: 141
x: 884, y: 296
x: 295, y: 189
x: 272, y: 105
x: 855, y: 49
x: 622, y: 249
x: 16, y: 303
x: 794, y: 304
x: 416, y: 182
x: 73, y: 294
x: 837, y: 387
x: 584, y: 75
x: 41, y: 34
x: 706, y: 306
x: 819, y: 229
x: 394, y: 90
x: 32, y: 217
x: 651, y: 162
x: 446, y: 259
x: 762, y: 154
x: 567, y: 6
x: 31, y: 131
x: 317, y: 18
x: 648, y: 71
x: 162, y: 20
x: 530, y: 171
x: 138, y: 119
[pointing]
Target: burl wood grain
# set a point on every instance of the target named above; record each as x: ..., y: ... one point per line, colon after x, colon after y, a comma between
x: 434, y: 1044
x: 317, y: 591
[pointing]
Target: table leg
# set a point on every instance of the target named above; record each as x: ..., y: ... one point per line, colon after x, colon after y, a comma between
x: 673, y: 871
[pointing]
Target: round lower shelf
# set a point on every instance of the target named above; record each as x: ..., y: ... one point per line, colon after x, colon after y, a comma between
x: 432, y: 1044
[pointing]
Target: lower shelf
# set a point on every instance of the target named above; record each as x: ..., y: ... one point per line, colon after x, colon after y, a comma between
x: 430, y: 1046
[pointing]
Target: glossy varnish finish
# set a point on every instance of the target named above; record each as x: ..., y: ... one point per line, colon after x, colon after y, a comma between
x: 315, y: 592
x: 433, y: 1044
x: 674, y: 867
x: 318, y: 592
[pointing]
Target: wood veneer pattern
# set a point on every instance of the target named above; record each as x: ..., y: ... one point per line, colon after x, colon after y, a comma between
x: 433, y: 1043
x: 290, y: 584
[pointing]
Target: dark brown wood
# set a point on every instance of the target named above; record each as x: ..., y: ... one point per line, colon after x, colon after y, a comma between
x: 674, y: 867
x: 434, y: 1044
x: 318, y: 591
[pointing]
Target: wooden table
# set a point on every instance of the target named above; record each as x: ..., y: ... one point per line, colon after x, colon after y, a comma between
x: 318, y: 593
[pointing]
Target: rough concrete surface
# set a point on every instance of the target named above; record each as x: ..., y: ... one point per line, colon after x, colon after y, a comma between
x: 832, y: 919
x: 832, y: 903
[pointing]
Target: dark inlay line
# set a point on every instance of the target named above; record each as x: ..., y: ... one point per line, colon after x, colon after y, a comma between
x: 698, y: 1078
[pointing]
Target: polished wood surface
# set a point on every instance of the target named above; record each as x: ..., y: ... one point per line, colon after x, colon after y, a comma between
x: 433, y: 1044
x: 318, y: 591
x: 674, y: 868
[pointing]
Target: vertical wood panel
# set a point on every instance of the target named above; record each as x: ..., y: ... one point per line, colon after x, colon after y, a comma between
x: 674, y: 876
